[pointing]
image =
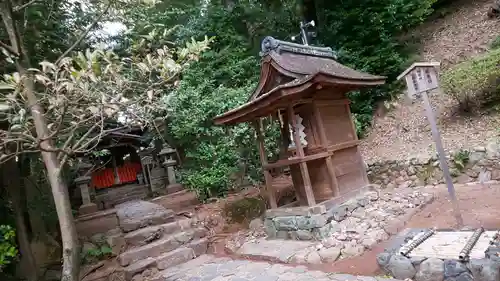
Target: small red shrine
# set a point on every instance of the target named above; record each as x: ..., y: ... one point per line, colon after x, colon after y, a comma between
x: 305, y: 88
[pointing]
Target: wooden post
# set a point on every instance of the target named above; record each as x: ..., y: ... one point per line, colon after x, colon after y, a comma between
x: 311, y: 201
x: 263, y: 160
x: 334, y: 185
x: 442, y: 159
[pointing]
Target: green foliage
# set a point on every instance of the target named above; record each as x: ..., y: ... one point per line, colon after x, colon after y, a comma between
x: 496, y: 43
x: 460, y: 159
x: 474, y: 83
x: 245, y: 210
x: 8, y: 248
x: 363, y: 32
x: 96, y: 254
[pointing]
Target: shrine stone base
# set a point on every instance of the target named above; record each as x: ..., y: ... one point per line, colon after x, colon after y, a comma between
x: 317, y: 222
x: 439, y: 259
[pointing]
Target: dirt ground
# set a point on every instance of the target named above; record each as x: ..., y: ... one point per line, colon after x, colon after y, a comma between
x: 479, y: 205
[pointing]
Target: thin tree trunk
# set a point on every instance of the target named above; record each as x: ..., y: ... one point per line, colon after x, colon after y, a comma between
x: 13, y: 186
x: 59, y: 189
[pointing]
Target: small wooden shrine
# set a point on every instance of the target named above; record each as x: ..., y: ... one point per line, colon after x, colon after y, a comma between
x: 127, y: 166
x: 305, y: 88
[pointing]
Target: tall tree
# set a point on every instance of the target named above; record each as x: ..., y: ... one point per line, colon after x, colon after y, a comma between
x: 66, y: 106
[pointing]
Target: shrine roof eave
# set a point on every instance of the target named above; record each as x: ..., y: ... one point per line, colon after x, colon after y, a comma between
x: 259, y: 107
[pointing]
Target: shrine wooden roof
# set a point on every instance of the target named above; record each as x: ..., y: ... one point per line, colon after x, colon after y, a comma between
x: 290, y: 72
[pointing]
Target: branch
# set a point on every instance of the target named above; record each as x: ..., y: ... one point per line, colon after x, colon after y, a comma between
x: 83, y: 35
x: 18, y: 8
x: 9, y: 49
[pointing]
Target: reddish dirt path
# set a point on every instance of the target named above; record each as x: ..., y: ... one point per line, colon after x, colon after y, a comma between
x: 480, y: 206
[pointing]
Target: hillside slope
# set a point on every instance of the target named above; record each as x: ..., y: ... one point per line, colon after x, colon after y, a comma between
x: 404, y: 132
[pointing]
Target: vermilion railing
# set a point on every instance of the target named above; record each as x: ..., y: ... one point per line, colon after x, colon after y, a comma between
x: 106, y: 178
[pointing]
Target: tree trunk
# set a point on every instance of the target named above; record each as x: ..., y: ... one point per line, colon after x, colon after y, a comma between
x: 13, y: 186
x: 59, y: 189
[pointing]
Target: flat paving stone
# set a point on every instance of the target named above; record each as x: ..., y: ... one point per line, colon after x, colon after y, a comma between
x: 210, y: 268
x: 273, y: 250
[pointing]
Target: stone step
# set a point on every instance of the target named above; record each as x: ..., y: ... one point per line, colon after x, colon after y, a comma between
x: 183, y: 254
x: 138, y: 267
x: 161, y: 246
x: 177, y: 201
x: 175, y: 257
x: 149, y: 234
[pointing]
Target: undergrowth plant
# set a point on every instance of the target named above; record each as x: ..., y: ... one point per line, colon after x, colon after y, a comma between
x: 8, y: 248
x: 474, y: 83
x: 460, y: 159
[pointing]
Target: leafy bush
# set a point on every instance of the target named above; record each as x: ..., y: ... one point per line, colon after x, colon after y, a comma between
x: 475, y: 82
x: 8, y: 249
x: 460, y: 159
x: 245, y: 210
x: 363, y: 32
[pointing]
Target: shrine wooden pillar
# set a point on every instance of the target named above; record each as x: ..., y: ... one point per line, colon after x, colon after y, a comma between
x: 324, y: 143
x: 263, y: 159
x: 311, y: 201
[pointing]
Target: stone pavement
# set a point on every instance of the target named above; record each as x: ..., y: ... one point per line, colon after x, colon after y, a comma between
x: 210, y: 268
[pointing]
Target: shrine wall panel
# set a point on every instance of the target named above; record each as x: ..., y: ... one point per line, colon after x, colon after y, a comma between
x: 337, y: 123
x: 349, y: 169
x: 319, y: 179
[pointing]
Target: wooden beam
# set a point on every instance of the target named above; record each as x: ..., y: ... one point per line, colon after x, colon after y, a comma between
x: 334, y: 185
x: 303, y: 166
x: 263, y: 159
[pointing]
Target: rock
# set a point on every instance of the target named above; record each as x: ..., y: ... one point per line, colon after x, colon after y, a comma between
x: 391, y: 186
x: 330, y: 242
x: 329, y: 254
x: 383, y: 259
x: 270, y: 228
x: 480, y: 149
x: 431, y: 269
x: 352, y: 249
x: 363, y: 201
x: 313, y: 258
x: 350, y: 205
x: 400, y: 267
x: 116, y: 243
x: 495, y: 175
x: 310, y: 222
x: 256, y: 224
x: 463, y: 178
x: 484, y: 270
x: 369, y: 242
x: 484, y: 176
x: 338, y: 213
x: 453, y: 268
x: 372, y: 195
x: 492, y: 149
x: 138, y: 214
x: 466, y: 276
x: 417, y: 260
x: 285, y: 223
x: 301, y: 235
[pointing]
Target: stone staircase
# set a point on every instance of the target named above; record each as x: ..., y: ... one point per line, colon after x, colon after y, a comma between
x: 156, y: 238
x: 152, y: 239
